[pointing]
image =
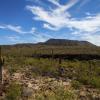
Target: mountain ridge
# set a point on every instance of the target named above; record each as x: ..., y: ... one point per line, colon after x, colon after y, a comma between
x: 67, y: 42
x: 57, y: 42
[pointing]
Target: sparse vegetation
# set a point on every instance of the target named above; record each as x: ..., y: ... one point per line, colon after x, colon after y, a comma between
x: 82, y: 73
x: 57, y: 94
x: 13, y: 92
x: 76, y: 84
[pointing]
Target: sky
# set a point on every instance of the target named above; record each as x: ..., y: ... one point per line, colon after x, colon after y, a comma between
x: 32, y: 21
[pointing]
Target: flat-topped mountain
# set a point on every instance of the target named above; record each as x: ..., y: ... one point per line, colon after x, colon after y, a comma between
x: 59, y: 46
x: 66, y: 42
x: 55, y: 42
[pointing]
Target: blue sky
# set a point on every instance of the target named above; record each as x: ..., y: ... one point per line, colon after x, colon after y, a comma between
x: 31, y: 21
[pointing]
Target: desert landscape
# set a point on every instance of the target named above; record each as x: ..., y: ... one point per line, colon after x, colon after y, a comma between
x: 51, y: 71
x: 49, y: 49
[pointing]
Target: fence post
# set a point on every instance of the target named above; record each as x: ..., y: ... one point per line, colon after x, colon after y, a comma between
x: 1, y: 65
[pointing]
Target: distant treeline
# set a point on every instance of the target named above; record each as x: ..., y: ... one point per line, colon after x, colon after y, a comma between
x: 69, y: 56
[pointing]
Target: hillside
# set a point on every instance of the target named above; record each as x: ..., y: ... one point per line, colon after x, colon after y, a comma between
x: 58, y: 46
x: 65, y: 42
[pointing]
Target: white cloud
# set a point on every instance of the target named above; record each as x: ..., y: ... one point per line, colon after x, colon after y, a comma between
x: 13, y: 38
x: 64, y: 7
x: 93, y: 38
x: 2, y: 27
x: 17, y: 29
x: 88, y: 24
x: 47, y: 26
x: 60, y: 17
x: 55, y: 2
x: 34, y: 36
x: 33, y: 29
x: 55, y: 17
x: 33, y: 0
x: 83, y: 2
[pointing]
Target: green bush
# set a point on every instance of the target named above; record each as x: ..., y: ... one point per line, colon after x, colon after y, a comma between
x: 13, y: 92
x: 76, y: 84
x: 95, y: 82
x: 62, y: 94
x: 57, y: 94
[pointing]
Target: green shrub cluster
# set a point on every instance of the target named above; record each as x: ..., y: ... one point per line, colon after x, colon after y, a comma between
x: 57, y: 94
x: 13, y: 92
x: 76, y: 84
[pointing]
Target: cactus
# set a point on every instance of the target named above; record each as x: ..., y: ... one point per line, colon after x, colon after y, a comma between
x: 1, y: 64
x: 60, y: 69
x: 52, y: 53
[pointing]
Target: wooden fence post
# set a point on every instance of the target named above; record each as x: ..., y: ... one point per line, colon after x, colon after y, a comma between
x: 1, y: 65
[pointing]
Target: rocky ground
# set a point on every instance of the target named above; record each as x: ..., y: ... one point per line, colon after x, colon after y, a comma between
x: 31, y: 86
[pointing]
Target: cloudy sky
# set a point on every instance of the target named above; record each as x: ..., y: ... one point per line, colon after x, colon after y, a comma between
x: 31, y: 21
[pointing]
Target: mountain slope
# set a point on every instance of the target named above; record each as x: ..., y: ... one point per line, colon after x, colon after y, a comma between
x: 67, y: 42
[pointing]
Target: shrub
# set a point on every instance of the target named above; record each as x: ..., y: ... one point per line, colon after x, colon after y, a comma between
x: 57, y: 94
x: 76, y: 84
x: 62, y: 94
x: 13, y: 92
x: 95, y: 82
